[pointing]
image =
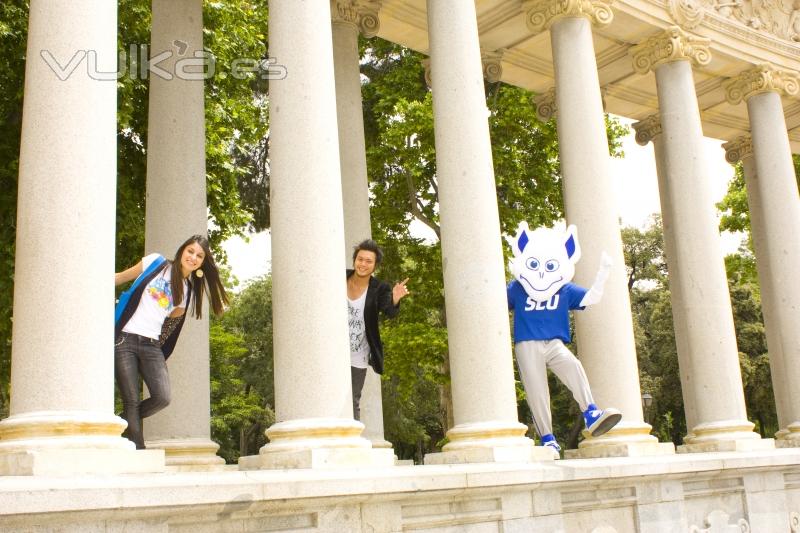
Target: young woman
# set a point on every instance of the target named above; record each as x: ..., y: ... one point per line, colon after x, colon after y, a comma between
x: 148, y: 320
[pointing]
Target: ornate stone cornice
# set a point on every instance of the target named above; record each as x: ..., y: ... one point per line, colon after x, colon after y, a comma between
x: 363, y: 14
x: 761, y: 79
x: 546, y: 104
x: 541, y: 14
x: 674, y: 44
x: 647, y: 129
x: 738, y: 149
x: 492, y: 66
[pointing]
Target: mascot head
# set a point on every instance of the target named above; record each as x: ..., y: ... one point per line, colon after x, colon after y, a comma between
x: 544, y: 259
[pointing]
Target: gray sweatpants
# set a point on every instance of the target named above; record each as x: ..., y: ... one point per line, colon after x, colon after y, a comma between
x: 534, y: 358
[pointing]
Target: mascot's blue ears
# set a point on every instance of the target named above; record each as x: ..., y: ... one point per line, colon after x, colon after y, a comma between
x: 523, y: 241
x: 570, y: 245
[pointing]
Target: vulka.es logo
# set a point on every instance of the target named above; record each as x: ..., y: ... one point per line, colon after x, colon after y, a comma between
x: 135, y: 63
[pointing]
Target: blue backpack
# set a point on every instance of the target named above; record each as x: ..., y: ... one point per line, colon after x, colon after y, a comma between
x: 125, y: 297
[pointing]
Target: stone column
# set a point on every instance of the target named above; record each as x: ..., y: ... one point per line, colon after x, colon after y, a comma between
x: 741, y: 150
x: 604, y: 331
x: 62, y: 372
x: 775, y: 222
x: 176, y: 210
x: 702, y: 286
x: 484, y: 403
x: 649, y: 130
x: 314, y: 428
x: 349, y: 19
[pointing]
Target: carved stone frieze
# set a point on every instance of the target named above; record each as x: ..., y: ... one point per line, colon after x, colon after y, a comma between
x: 546, y: 104
x: 673, y: 44
x: 688, y: 14
x: 492, y: 66
x: 794, y: 522
x: 361, y: 13
x: 718, y: 522
x: 738, y: 149
x: 761, y: 79
x: 778, y: 17
x: 541, y: 14
x: 647, y: 129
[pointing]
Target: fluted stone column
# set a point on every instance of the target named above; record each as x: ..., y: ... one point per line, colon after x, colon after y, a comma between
x: 62, y: 371
x: 649, y: 130
x: 775, y: 220
x: 703, y: 288
x: 315, y: 426
x: 349, y: 19
x: 484, y: 403
x: 176, y: 210
x: 604, y: 331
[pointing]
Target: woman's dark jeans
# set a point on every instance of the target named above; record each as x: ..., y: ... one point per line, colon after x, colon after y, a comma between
x: 136, y: 356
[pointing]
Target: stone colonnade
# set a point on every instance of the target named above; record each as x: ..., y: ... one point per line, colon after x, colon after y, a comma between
x: 320, y: 197
x: 704, y: 333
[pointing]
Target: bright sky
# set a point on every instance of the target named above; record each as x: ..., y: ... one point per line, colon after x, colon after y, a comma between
x: 634, y: 177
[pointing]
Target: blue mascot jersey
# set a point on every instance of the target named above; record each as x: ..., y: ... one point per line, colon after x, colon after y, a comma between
x: 543, y: 321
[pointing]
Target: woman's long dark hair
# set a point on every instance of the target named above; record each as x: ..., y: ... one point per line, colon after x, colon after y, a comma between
x: 210, y: 281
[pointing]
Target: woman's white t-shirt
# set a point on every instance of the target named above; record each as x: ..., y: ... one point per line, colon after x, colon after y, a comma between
x: 156, y: 303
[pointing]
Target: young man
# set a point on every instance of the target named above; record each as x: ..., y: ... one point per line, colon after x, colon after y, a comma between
x: 366, y: 296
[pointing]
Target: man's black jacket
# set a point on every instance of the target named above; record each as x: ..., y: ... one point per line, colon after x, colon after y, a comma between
x: 379, y: 297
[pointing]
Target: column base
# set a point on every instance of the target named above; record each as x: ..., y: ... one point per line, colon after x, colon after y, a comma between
x: 489, y: 442
x: 380, y: 443
x: 319, y: 458
x: 71, y: 462
x: 626, y: 439
x: 317, y: 443
x: 60, y: 443
x: 496, y: 454
x: 725, y: 436
x: 788, y: 437
x: 189, y: 455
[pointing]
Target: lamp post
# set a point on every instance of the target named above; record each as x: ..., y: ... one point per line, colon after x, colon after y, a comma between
x: 647, y: 401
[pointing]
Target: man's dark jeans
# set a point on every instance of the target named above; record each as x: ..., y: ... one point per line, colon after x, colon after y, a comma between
x: 136, y: 356
x: 357, y: 377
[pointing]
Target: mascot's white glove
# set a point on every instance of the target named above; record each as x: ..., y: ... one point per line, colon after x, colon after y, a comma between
x: 595, y: 293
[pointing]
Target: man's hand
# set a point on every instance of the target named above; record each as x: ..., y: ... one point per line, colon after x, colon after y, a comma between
x: 399, y: 291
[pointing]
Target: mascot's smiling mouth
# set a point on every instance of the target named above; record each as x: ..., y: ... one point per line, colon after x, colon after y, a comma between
x: 560, y: 278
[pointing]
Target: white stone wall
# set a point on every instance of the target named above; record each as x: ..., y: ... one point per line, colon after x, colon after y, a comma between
x: 691, y: 492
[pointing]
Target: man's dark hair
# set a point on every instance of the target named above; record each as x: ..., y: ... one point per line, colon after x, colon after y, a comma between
x: 370, y: 246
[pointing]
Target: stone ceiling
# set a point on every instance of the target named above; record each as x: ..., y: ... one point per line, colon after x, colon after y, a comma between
x: 743, y: 33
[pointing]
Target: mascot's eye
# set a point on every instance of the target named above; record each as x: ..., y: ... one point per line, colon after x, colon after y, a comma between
x: 551, y: 265
x: 532, y: 263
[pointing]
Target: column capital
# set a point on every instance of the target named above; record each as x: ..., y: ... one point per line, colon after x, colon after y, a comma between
x: 738, y: 149
x: 546, y: 104
x: 673, y: 44
x: 761, y: 79
x: 647, y: 129
x: 541, y: 14
x: 492, y: 66
x: 363, y: 14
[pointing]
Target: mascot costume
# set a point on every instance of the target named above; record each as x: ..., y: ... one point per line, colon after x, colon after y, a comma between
x: 541, y: 297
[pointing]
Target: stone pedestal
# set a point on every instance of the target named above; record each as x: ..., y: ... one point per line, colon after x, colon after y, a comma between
x: 704, y: 302
x: 604, y: 332
x: 176, y: 210
x: 484, y: 403
x: 62, y: 390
